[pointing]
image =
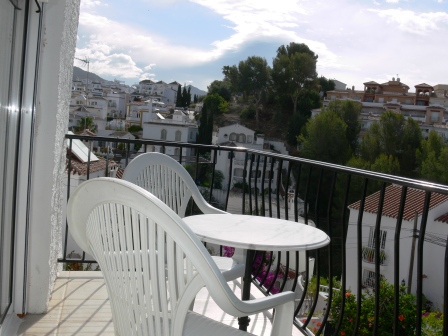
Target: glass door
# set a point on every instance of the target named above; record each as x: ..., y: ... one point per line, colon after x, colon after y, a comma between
x: 10, y: 65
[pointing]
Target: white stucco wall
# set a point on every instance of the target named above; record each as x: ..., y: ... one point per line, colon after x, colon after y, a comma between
x: 46, y: 198
x: 433, y: 255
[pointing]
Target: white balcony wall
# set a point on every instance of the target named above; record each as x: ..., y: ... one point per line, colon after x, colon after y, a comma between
x: 60, y: 22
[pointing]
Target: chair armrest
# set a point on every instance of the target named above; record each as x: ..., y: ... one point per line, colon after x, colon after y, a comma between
x: 210, y: 210
x: 258, y: 305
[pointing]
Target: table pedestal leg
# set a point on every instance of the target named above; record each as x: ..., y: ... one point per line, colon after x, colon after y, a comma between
x: 244, y: 321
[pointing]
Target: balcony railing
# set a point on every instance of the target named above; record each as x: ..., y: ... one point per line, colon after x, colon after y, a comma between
x: 321, y: 193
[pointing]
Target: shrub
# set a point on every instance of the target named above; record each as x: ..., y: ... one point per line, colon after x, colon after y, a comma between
x: 432, y: 324
x: 406, y: 318
x: 248, y: 113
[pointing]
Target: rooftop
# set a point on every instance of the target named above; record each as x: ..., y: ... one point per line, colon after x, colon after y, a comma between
x: 414, y: 202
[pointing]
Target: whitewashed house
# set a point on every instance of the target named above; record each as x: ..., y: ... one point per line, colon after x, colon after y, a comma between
x: 434, y: 241
x: 179, y: 128
x: 237, y: 135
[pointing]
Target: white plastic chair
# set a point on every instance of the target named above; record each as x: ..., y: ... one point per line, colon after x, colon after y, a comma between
x: 154, y: 265
x: 169, y: 181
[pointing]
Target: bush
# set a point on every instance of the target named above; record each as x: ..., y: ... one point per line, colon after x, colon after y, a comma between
x: 432, y: 324
x: 248, y: 113
x: 135, y: 128
x: 406, y: 318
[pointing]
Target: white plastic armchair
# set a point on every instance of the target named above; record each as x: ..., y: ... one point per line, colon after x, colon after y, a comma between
x: 153, y: 264
x: 169, y: 181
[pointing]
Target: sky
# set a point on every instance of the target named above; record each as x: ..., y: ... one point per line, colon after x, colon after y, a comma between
x: 190, y: 41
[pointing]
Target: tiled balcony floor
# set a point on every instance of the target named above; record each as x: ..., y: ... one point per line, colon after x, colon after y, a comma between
x: 80, y: 306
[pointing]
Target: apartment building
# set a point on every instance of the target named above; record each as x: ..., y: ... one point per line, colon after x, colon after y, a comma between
x: 428, y: 105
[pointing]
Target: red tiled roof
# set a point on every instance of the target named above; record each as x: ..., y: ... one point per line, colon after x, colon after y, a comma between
x: 443, y: 218
x: 414, y: 202
x: 120, y: 172
x: 80, y: 168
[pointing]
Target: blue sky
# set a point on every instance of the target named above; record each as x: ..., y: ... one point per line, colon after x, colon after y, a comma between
x: 190, y: 41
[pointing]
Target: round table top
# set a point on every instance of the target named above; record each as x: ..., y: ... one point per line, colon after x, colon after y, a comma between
x: 256, y: 233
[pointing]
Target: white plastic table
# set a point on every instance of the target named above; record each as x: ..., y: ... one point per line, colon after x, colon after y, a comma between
x: 250, y: 233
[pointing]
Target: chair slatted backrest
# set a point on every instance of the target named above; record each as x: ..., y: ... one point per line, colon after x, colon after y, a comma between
x: 168, y: 180
x: 150, y: 259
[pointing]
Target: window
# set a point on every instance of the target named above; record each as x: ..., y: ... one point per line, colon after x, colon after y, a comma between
x: 163, y: 134
x: 238, y: 172
x: 249, y: 139
x: 177, y: 135
x: 232, y: 137
x: 368, y: 279
x: 383, y: 235
x: 241, y: 138
x: 176, y: 151
x: 94, y: 103
x: 434, y: 116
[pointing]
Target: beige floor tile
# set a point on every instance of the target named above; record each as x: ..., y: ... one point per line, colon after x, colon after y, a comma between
x: 80, y: 306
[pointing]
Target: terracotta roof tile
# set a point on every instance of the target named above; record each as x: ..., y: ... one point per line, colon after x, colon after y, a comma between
x: 414, y: 202
x: 443, y: 218
x: 80, y: 168
x: 120, y: 172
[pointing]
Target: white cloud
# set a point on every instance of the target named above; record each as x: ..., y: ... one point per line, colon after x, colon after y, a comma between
x: 147, y: 75
x: 393, y: 1
x: 412, y: 22
x: 149, y: 67
x: 90, y: 4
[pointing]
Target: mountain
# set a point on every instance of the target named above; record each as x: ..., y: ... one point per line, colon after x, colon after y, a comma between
x: 79, y: 73
x: 196, y: 91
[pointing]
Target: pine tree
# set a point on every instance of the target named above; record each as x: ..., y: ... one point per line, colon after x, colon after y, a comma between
x: 184, y: 97
x: 179, y: 102
x: 189, y: 96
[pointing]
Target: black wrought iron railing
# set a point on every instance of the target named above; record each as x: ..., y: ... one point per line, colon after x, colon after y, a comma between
x: 348, y: 204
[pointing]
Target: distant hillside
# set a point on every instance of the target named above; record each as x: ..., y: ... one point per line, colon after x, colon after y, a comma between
x: 80, y: 74
x: 196, y: 91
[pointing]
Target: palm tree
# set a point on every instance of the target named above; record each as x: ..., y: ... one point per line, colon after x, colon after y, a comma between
x: 86, y: 123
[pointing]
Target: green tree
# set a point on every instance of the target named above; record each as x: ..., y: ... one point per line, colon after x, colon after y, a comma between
x: 433, y: 159
x: 135, y: 129
x: 223, y: 88
x: 412, y: 140
x: 86, y: 123
x: 326, y: 85
x: 324, y: 139
x: 179, y: 102
x: 188, y: 100
x: 385, y: 136
x: 205, y: 128
x: 391, y: 132
x: 254, y: 78
x: 348, y: 111
x: 231, y: 76
x: 294, y: 70
x: 370, y: 147
x: 184, y: 97
x: 216, y: 104
x: 213, y: 105
x: 387, y: 164
x: 307, y: 101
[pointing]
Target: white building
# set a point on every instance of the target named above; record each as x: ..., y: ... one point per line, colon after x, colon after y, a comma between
x: 434, y: 241
x: 180, y: 128
x: 237, y: 135
x: 166, y: 93
x: 428, y: 105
